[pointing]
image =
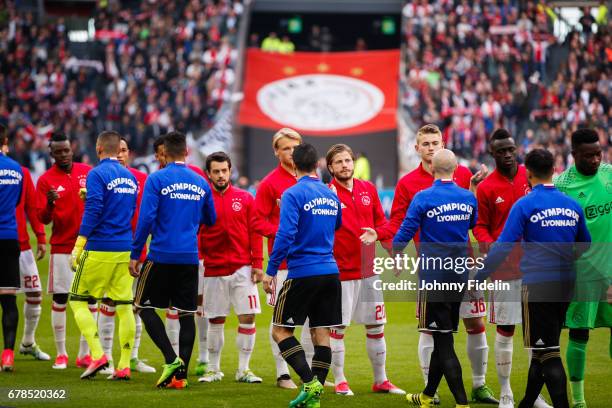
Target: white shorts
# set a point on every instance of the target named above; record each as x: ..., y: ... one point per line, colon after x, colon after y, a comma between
x: 505, y: 305
x: 60, y: 274
x: 28, y: 273
x: 237, y: 290
x: 473, y: 304
x: 361, y: 303
x: 277, y: 284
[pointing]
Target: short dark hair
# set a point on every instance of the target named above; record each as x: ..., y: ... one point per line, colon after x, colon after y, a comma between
x: 218, y: 157
x: 305, y: 157
x: 58, y: 137
x: 123, y: 139
x: 500, y: 134
x: 175, y: 144
x: 4, y: 139
x: 109, y: 141
x: 158, y: 142
x: 540, y: 162
x: 584, y: 136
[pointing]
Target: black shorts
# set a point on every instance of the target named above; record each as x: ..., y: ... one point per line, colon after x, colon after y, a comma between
x: 543, y: 320
x: 162, y: 286
x: 9, y: 257
x: 439, y: 310
x: 318, y: 298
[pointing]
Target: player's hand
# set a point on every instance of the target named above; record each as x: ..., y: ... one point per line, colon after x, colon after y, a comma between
x: 134, y: 267
x: 52, y: 195
x: 278, y: 202
x: 369, y: 236
x: 267, y: 283
x: 256, y: 275
x: 41, y: 250
x: 77, y: 251
x: 478, y: 177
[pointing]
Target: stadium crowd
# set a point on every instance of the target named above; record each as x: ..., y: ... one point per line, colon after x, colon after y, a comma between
x: 475, y: 66
x: 150, y: 69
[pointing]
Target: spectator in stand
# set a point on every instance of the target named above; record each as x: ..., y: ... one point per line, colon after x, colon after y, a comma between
x: 151, y: 73
x: 499, y: 64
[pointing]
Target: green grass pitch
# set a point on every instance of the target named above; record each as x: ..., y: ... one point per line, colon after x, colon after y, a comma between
x: 402, y: 369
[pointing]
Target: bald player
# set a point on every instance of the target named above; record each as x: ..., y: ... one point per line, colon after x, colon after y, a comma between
x: 446, y: 236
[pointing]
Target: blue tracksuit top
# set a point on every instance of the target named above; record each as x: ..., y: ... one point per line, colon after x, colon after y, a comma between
x: 444, y: 214
x: 175, y: 202
x: 549, y: 224
x: 109, y: 207
x: 310, y: 214
x: 11, y: 183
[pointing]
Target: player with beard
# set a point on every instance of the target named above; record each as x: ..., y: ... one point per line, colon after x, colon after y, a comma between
x: 106, y: 320
x: 233, y: 257
x: 267, y: 215
x: 588, y: 181
x: 496, y: 195
x: 58, y: 201
x: 363, y: 220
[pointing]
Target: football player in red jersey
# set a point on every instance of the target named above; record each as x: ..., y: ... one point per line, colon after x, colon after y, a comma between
x: 58, y: 201
x: 362, y: 303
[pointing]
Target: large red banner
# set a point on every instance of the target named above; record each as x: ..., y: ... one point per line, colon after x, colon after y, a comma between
x: 326, y: 94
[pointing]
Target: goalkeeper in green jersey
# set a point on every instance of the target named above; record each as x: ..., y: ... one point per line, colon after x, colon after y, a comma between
x: 589, y: 182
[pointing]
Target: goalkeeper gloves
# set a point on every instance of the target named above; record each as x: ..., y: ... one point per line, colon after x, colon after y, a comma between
x: 77, y: 251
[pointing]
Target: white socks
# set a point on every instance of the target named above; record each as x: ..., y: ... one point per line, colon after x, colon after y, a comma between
x: 83, y: 346
x: 202, y: 324
x: 137, y: 335
x: 31, y: 314
x: 58, y: 321
x: 279, y: 361
x: 172, y: 328
x: 336, y: 342
x: 503, y: 362
x: 106, y: 329
x: 425, y: 348
x: 216, y: 338
x: 478, y: 353
x: 377, y: 352
x: 306, y: 341
x: 245, y: 342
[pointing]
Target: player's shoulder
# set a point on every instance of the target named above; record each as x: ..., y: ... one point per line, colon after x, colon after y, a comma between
x: 11, y: 164
x: 463, y: 193
x: 564, y: 179
x: 605, y: 169
x: 240, y: 193
x: 269, y: 178
x: 409, y: 177
x: 140, y: 175
x: 26, y: 172
x: 81, y: 167
x: 364, y: 184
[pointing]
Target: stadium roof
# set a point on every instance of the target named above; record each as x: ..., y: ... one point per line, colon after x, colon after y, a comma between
x: 329, y: 6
